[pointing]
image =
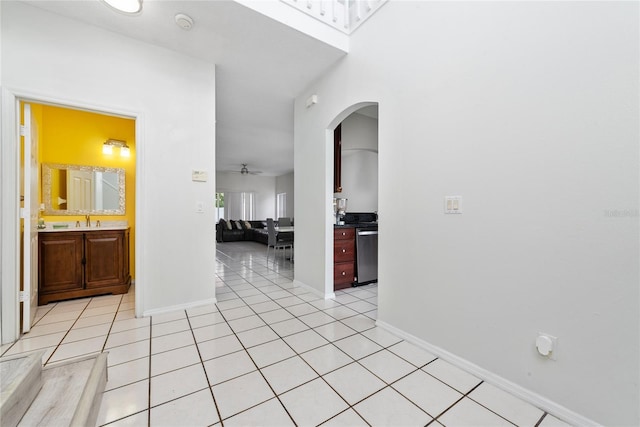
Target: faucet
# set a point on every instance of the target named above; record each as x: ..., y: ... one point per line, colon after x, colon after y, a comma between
x: 88, y: 220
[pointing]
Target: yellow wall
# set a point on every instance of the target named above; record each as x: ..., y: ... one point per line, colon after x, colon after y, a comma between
x: 76, y: 137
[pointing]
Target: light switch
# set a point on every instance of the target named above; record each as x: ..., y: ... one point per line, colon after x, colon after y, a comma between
x: 200, y: 207
x: 199, y: 176
x: 453, y: 204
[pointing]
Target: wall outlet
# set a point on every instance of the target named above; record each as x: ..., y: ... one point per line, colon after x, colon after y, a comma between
x: 547, y: 345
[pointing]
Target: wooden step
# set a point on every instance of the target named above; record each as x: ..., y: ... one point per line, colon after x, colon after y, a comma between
x: 71, y: 393
x: 21, y: 379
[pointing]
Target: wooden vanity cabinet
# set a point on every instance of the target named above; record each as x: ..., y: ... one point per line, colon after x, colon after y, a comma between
x: 344, y: 259
x: 73, y: 264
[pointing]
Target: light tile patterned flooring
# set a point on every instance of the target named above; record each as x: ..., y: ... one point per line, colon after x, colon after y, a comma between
x: 267, y: 354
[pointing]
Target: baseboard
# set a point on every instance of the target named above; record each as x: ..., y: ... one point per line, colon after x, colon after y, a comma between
x: 314, y: 290
x: 529, y: 396
x: 186, y: 306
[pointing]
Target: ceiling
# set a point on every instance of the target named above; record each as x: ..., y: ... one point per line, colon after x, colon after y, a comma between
x: 261, y: 65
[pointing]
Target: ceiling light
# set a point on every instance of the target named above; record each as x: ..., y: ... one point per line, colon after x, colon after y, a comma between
x: 107, y: 147
x: 184, y: 21
x: 125, y: 6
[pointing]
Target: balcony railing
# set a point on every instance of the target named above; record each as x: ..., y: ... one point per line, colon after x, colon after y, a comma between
x: 343, y: 15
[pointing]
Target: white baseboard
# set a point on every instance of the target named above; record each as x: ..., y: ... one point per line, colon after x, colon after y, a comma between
x: 314, y: 290
x: 529, y: 396
x: 186, y: 306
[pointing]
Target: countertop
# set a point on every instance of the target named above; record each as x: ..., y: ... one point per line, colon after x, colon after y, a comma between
x: 71, y: 226
x: 358, y: 225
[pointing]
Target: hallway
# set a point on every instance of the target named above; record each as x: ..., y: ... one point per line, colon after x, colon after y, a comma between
x: 268, y: 353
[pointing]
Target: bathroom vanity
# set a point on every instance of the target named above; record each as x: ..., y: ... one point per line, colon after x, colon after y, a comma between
x: 82, y: 262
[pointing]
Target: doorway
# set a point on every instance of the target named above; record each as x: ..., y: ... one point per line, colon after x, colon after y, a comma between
x: 355, y: 172
x: 71, y: 140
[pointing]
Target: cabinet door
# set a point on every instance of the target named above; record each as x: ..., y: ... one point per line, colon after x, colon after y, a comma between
x: 60, y: 262
x: 125, y: 262
x: 104, y: 258
x: 337, y: 159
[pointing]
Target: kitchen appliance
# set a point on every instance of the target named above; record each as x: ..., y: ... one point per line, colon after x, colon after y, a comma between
x: 366, y: 224
x: 366, y: 255
x: 339, y: 209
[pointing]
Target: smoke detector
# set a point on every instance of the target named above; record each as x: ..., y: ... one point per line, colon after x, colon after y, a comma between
x: 184, y: 21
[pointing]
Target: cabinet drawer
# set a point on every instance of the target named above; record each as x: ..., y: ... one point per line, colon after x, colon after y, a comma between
x: 344, y: 250
x: 344, y: 233
x: 343, y: 273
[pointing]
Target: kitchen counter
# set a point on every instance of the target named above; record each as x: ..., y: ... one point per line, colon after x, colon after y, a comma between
x: 358, y: 225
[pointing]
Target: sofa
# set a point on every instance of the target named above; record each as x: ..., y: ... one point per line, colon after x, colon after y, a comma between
x: 237, y: 230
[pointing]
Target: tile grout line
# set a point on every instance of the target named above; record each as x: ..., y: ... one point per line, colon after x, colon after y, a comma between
x: 149, y: 373
x: 261, y: 374
x: 206, y: 375
x: 319, y: 376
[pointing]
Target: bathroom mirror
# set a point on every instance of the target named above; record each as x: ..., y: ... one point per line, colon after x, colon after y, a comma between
x: 82, y: 190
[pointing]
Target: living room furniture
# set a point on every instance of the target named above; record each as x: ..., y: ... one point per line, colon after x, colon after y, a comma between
x: 74, y: 264
x: 241, y: 231
x: 284, y: 222
x: 278, y: 240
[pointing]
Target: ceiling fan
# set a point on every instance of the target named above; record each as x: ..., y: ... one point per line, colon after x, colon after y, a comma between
x: 246, y: 171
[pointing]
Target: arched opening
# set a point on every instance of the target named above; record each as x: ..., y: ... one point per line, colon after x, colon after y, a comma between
x: 353, y: 140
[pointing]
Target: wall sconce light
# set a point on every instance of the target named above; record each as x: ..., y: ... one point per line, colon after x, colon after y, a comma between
x: 107, y: 147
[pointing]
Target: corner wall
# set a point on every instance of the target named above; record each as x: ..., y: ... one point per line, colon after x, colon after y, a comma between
x: 529, y: 111
x: 360, y: 163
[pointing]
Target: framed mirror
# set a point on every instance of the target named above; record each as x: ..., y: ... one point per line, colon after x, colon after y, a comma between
x: 82, y: 190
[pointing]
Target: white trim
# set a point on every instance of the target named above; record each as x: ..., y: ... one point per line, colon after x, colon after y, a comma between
x: 186, y: 306
x: 314, y: 291
x: 140, y: 211
x: 10, y: 218
x: 529, y: 396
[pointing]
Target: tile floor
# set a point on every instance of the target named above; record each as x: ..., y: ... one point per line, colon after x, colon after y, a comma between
x: 267, y: 354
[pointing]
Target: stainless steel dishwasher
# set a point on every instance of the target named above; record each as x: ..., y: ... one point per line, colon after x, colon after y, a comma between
x: 366, y: 256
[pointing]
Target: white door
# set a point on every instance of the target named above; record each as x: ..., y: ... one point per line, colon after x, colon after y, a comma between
x: 80, y: 189
x: 30, y: 167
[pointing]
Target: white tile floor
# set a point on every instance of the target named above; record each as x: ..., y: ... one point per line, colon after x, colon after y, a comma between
x: 269, y: 354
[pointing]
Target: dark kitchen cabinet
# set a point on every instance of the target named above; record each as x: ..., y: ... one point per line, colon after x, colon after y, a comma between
x: 344, y: 260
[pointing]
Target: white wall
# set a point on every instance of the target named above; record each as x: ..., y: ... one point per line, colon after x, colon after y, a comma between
x: 173, y: 98
x: 264, y: 188
x: 529, y: 111
x: 360, y: 163
x: 284, y: 184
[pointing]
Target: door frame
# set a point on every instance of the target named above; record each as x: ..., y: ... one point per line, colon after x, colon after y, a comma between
x: 10, y: 254
x: 329, y: 184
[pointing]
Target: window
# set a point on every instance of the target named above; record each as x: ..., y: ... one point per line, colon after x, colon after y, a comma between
x: 219, y: 206
x: 239, y: 206
x: 281, y: 205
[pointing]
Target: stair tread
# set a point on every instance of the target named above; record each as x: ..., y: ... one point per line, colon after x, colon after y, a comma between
x: 62, y: 389
x: 21, y: 380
